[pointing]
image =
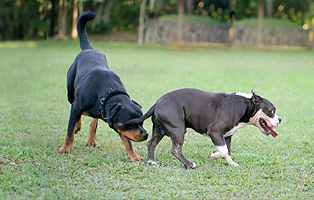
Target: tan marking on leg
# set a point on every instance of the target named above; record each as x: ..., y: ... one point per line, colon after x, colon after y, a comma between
x: 91, y: 140
x: 129, y: 149
x: 67, y: 145
x: 78, y: 126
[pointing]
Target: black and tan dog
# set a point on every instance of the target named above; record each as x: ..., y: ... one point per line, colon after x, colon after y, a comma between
x: 98, y: 92
x: 217, y: 115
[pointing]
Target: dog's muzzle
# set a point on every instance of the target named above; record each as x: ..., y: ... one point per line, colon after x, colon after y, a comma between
x: 266, y: 129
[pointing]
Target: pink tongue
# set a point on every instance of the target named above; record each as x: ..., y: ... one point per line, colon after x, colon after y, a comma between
x: 271, y: 131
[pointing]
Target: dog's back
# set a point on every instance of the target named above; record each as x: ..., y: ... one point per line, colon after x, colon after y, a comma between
x: 89, y: 65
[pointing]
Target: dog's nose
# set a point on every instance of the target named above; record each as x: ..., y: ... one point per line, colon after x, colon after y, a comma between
x: 145, y: 135
x: 279, y: 119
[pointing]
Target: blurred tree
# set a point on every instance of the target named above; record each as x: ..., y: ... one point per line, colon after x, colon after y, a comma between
x: 260, y: 23
x: 310, y: 2
x: 141, y: 24
x: 151, y: 5
x: 23, y: 19
x: 180, y: 21
x: 62, y: 20
x: 269, y: 8
x: 74, y: 21
x: 80, y: 7
x: 189, y: 7
x: 52, y: 18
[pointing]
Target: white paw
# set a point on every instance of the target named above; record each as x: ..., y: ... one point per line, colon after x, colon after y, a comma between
x: 151, y: 162
x: 233, y: 164
x: 193, y: 165
x: 211, y: 156
x: 230, y: 162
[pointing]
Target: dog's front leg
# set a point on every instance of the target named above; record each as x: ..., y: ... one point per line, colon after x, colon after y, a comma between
x: 73, y: 127
x: 91, y: 140
x: 223, y: 147
x: 227, y: 158
x: 129, y: 149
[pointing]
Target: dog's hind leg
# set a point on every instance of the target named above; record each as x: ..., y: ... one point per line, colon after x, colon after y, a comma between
x: 129, y: 149
x: 152, y: 143
x: 177, y: 152
x: 177, y: 137
x: 91, y: 140
x: 73, y: 127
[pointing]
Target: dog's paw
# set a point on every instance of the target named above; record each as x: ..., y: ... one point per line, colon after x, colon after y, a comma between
x: 91, y: 144
x: 135, y: 158
x: 211, y: 156
x: 64, y: 150
x: 234, y: 164
x: 191, y: 165
x: 230, y: 162
x: 151, y: 162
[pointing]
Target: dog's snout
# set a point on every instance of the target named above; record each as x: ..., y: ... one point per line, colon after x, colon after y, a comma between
x: 145, y: 135
x: 279, y: 119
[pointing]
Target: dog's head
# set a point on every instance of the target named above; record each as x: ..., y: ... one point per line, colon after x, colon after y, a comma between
x: 265, y: 117
x: 118, y: 114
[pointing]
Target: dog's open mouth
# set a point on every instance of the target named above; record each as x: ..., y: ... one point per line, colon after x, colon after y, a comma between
x: 267, y: 130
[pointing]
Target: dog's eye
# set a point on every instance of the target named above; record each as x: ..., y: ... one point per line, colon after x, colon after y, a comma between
x: 273, y: 111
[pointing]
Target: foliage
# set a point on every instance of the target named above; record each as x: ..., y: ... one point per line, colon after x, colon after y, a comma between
x: 34, y: 114
x: 22, y: 19
x: 101, y: 28
x: 28, y: 19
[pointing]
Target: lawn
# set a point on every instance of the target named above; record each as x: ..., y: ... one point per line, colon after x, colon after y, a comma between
x: 34, y: 114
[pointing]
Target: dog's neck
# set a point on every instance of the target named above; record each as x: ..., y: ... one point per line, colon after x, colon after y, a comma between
x: 104, y: 100
x: 110, y: 94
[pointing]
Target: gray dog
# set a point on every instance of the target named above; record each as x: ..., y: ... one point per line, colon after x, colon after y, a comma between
x: 216, y: 115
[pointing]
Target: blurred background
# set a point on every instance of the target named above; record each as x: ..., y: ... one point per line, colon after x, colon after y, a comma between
x: 233, y: 22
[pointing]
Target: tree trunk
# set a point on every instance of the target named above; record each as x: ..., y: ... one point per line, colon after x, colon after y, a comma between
x: 99, y: 11
x: 64, y: 19
x: 269, y: 8
x: 151, y: 5
x: 180, y: 22
x: 53, y: 19
x: 311, y: 24
x: 80, y: 7
x: 60, y: 20
x: 74, y: 21
x: 231, y: 20
x: 107, y: 11
x: 141, y: 24
x: 189, y: 7
x: 260, y: 24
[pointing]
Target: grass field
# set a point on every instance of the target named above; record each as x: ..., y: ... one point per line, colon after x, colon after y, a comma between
x: 34, y: 114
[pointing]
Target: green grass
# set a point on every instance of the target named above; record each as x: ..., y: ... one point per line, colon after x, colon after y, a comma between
x: 191, y: 19
x: 34, y: 114
x: 268, y: 22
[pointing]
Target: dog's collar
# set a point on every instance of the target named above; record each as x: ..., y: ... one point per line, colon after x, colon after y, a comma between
x: 105, y: 99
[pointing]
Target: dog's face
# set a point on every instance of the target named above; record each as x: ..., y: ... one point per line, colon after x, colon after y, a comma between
x: 265, y: 118
x: 123, y: 114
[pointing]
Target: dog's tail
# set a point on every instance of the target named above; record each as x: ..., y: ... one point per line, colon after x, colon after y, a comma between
x: 149, y: 113
x: 81, y: 30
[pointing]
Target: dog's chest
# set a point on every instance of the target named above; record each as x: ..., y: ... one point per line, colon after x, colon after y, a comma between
x: 235, y: 129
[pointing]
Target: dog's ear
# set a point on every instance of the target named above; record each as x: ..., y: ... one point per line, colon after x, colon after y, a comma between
x: 255, y: 97
x: 111, y: 110
x: 137, y: 104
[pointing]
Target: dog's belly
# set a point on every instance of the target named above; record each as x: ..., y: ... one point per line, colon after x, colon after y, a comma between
x: 235, y: 129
